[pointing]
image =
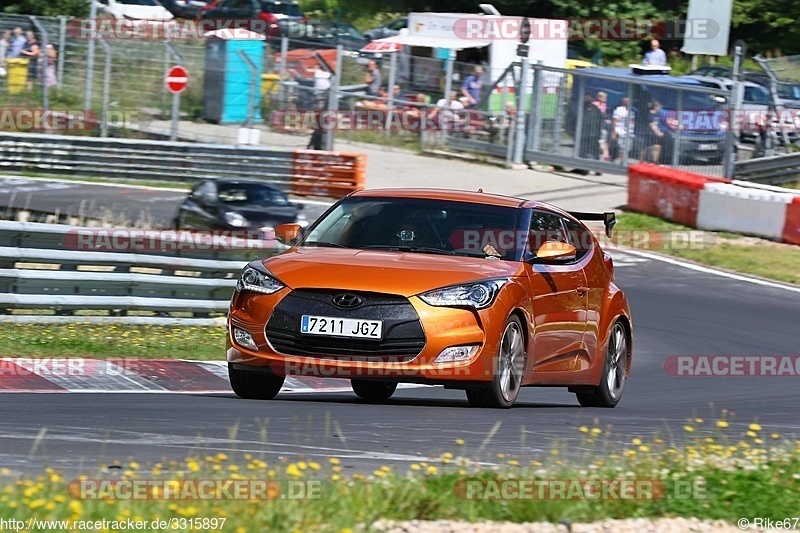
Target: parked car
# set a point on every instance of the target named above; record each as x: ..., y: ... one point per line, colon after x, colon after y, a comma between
x: 788, y: 91
x: 227, y: 203
x: 185, y: 9
x: 325, y: 34
x: 755, y: 104
x: 281, y: 18
x: 387, y: 30
x: 701, y: 140
x: 133, y: 9
x: 401, y: 285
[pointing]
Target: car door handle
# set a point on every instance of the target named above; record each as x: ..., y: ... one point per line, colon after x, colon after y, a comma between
x: 582, y: 290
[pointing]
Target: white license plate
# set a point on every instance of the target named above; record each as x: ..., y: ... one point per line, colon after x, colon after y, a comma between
x: 707, y: 147
x: 341, y: 327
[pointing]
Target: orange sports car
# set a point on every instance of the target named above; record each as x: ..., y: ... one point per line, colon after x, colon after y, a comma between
x: 468, y: 290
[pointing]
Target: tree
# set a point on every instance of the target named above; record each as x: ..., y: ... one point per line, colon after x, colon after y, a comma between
x: 49, y: 8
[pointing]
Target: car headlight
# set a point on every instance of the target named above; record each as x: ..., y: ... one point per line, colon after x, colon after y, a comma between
x: 255, y: 280
x: 478, y: 295
x: 235, y: 219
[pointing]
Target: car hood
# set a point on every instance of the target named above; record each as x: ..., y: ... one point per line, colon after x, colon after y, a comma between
x: 403, y: 273
x: 143, y: 12
x: 275, y: 213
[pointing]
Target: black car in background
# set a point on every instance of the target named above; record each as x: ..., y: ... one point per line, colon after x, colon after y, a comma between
x: 185, y: 9
x: 325, y: 34
x: 229, y: 203
x: 387, y: 30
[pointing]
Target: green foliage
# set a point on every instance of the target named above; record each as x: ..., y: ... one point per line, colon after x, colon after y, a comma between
x: 49, y: 8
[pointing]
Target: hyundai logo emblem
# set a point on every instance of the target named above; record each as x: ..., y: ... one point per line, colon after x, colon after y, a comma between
x: 347, y: 301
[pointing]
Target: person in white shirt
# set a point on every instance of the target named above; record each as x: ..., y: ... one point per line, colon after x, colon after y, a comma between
x: 454, y: 102
x: 655, y: 56
x: 619, y: 132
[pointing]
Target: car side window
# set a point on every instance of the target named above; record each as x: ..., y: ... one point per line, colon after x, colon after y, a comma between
x: 580, y: 237
x: 546, y: 227
x: 398, y: 24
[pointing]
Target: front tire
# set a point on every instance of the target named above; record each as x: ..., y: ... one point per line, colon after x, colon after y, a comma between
x: 373, y: 391
x: 252, y: 385
x: 503, y: 390
x: 615, y: 368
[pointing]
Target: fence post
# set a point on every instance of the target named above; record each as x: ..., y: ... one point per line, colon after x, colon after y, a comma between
x: 106, y: 88
x: 676, y: 146
x: 733, y: 110
x: 87, y: 94
x: 333, y: 94
x: 251, y: 99
x: 448, y: 73
x: 579, y: 120
x: 522, y: 96
x: 282, y: 96
x: 390, y: 90
x: 536, y: 109
x: 62, y: 45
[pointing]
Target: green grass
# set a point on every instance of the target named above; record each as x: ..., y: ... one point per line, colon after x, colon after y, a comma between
x: 110, y: 340
x: 729, y: 474
x: 772, y: 261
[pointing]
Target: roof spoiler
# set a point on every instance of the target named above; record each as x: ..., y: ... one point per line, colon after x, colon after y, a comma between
x: 609, y: 219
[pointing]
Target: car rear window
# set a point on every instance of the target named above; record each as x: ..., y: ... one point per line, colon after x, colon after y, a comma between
x: 282, y: 8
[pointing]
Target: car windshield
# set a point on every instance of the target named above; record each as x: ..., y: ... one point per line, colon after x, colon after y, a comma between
x: 282, y: 8
x: 417, y: 225
x: 756, y: 95
x: 250, y: 194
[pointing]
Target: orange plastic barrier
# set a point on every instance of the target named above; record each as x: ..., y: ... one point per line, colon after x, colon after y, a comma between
x: 666, y: 192
x: 327, y: 174
x: 791, y: 229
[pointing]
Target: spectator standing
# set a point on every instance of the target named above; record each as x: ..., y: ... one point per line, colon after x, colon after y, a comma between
x: 16, y: 44
x: 50, y: 56
x: 590, y: 133
x: 654, y: 136
x: 373, y: 79
x: 621, y: 129
x: 602, y: 104
x: 5, y: 42
x: 471, y: 88
x: 655, y: 56
x: 32, y: 52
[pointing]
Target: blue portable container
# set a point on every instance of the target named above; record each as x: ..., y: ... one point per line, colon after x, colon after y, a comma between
x: 228, y: 79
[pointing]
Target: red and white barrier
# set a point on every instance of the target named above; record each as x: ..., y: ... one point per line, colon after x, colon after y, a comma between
x: 714, y: 204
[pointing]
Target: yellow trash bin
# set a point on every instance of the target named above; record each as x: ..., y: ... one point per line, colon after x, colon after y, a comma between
x: 17, y: 74
x: 269, y: 86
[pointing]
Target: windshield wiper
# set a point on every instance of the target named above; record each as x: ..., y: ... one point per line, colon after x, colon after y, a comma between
x: 324, y: 244
x: 421, y: 249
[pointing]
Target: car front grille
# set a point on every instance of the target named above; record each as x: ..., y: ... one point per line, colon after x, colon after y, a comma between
x: 403, y: 337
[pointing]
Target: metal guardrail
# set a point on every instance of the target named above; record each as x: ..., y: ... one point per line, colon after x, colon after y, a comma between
x: 142, y: 159
x: 40, y: 269
x: 772, y: 170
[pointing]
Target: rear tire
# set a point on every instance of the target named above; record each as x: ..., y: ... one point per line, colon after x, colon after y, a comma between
x: 502, y: 391
x: 252, y: 385
x: 373, y: 391
x: 612, y: 381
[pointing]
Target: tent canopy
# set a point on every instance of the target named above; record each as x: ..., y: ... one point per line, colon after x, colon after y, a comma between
x: 393, y: 44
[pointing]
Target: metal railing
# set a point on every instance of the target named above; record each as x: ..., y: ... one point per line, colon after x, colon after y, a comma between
x: 41, y: 269
x: 772, y: 170
x: 142, y: 159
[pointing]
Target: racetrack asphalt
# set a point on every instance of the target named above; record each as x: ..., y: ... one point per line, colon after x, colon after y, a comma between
x: 676, y: 311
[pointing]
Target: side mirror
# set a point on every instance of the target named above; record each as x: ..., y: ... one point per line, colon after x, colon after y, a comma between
x: 555, y: 252
x: 288, y: 233
x: 299, y: 206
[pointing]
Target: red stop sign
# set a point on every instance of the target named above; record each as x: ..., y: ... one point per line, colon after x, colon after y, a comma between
x: 176, y: 80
